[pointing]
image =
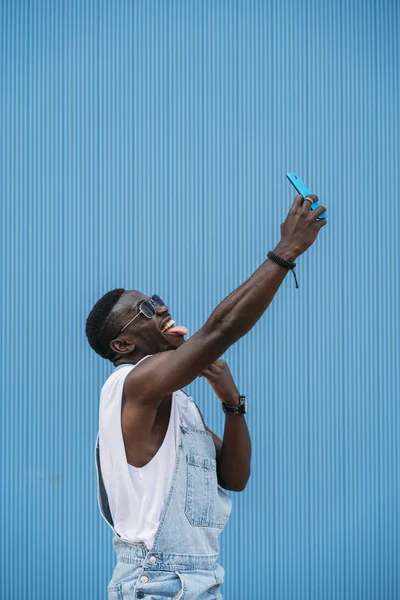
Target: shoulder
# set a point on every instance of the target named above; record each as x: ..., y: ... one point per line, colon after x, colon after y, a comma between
x: 117, y: 375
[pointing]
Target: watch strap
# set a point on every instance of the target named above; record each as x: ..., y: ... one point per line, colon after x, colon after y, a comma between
x: 235, y: 409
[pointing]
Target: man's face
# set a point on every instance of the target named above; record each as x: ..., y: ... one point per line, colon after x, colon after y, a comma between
x: 145, y: 333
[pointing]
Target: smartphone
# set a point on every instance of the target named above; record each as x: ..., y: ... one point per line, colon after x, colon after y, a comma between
x: 302, y: 189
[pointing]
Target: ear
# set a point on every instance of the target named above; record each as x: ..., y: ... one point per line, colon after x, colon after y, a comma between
x: 122, y: 346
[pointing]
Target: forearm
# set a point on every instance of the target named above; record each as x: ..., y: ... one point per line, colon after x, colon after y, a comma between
x: 241, y: 310
x: 233, y: 465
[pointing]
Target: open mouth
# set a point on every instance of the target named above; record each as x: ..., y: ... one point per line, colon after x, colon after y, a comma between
x: 167, y: 325
x: 169, y: 329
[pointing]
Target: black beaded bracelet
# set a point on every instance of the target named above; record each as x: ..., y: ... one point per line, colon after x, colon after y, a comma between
x: 283, y: 263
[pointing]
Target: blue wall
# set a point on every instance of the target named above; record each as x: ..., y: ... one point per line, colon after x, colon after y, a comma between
x: 144, y: 145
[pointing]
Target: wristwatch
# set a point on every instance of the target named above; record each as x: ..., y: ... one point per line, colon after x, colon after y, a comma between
x: 235, y: 409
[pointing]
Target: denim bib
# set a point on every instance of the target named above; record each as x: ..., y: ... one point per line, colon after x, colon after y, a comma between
x: 182, y: 563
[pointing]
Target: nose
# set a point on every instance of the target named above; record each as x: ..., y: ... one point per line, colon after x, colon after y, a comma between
x: 162, y: 309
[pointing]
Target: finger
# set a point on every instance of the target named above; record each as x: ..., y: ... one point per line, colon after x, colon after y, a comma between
x: 308, y: 200
x: 211, y: 378
x: 318, y: 211
x: 207, y: 373
x: 213, y: 367
x: 313, y: 197
x: 297, y: 202
x: 321, y: 223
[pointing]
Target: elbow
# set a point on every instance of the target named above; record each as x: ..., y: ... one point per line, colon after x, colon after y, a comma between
x: 237, y: 486
x: 242, y: 486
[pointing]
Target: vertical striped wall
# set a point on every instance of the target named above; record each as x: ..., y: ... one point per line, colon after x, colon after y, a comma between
x: 144, y: 145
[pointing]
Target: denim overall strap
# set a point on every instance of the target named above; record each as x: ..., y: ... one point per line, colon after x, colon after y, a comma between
x: 197, y: 509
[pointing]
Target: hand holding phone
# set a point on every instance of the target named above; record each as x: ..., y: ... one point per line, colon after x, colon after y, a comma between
x: 302, y: 189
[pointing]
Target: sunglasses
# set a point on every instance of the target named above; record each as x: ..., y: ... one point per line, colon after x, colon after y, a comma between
x: 147, y: 308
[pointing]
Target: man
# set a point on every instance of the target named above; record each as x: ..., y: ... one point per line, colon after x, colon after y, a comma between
x: 160, y: 469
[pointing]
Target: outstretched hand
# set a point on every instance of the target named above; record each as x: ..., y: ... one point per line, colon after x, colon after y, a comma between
x: 220, y: 378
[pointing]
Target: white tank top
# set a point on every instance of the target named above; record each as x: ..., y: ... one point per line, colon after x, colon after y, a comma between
x: 137, y: 495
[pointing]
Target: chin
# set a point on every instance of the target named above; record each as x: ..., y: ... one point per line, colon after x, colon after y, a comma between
x: 175, y: 343
x: 172, y: 342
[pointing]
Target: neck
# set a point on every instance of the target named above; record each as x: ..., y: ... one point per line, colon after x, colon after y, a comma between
x: 132, y: 359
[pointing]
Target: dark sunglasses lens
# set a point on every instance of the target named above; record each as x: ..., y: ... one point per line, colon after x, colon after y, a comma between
x: 157, y: 300
x: 148, y: 309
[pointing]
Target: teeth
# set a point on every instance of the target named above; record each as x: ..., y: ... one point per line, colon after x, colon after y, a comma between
x: 168, y: 325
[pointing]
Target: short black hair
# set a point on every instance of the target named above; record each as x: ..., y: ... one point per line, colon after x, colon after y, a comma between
x: 100, y: 329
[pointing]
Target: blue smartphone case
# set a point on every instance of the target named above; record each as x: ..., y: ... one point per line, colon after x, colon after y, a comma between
x: 302, y: 189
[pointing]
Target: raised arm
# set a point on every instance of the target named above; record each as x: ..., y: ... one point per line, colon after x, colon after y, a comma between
x: 167, y: 372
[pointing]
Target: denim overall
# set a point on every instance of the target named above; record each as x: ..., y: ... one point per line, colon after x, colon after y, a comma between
x: 182, y: 563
